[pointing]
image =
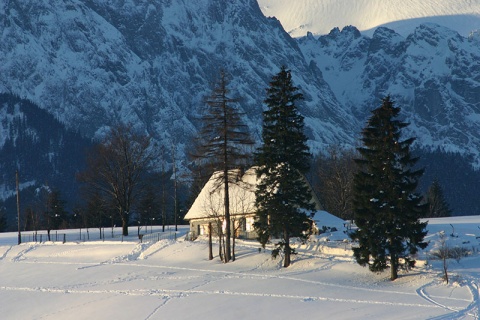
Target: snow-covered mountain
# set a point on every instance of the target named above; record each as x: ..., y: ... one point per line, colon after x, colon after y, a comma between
x: 92, y: 64
x: 433, y: 75
x: 321, y: 16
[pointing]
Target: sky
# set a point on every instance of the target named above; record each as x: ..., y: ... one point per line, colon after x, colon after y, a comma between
x: 168, y: 279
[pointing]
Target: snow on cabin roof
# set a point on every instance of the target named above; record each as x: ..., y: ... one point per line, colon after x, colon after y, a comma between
x: 209, y: 203
x: 324, y: 218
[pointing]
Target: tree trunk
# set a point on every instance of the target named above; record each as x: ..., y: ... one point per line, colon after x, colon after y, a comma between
x: 228, y: 252
x: 286, y: 238
x: 220, y: 253
x: 233, y: 242
x: 124, y: 226
x: 224, y: 248
x: 445, y: 267
x: 210, y: 249
x: 393, y: 267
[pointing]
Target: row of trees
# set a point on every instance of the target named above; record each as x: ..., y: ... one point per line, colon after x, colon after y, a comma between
x: 377, y: 185
x: 49, y: 212
x: 333, y: 177
x: 119, y: 187
x: 384, y: 201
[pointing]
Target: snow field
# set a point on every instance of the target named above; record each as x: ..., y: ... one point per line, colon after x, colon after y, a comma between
x: 321, y: 16
x: 168, y: 279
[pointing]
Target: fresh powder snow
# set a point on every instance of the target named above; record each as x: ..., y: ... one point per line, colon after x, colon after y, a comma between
x: 321, y: 16
x: 168, y: 279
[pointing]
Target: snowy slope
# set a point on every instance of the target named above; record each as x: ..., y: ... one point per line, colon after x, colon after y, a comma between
x: 320, y: 16
x: 433, y: 74
x: 115, y: 279
x: 93, y: 64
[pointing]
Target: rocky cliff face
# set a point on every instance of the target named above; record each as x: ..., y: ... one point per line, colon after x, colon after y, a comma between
x: 433, y: 75
x: 92, y: 64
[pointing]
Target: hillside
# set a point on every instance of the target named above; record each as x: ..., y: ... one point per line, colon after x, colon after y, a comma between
x: 41, y: 149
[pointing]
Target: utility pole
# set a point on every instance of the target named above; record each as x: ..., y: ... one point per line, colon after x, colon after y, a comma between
x: 164, y: 217
x: 18, y: 208
x: 175, y: 187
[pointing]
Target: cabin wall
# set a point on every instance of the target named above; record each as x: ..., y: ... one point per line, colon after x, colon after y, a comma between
x: 243, y: 227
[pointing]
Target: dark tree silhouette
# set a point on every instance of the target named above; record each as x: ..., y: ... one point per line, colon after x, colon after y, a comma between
x: 116, y: 169
x: 283, y: 199
x: 437, y: 205
x: 334, y: 181
x: 387, y: 209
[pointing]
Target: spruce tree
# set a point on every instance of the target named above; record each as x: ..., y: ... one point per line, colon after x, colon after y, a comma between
x: 283, y: 199
x: 386, y: 207
x: 437, y: 205
x: 3, y: 221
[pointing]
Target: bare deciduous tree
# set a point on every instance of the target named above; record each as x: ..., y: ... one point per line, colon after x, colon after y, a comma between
x: 443, y: 254
x: 224, y: 139
x: 243, y: 204
x: 116, y: 168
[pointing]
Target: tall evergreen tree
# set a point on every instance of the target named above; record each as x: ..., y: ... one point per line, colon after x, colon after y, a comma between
x: 3, y: 221
x: 224, y: 143
x: 437, y: 205
x: 149, y: 207
x: 386, y: 207
x: 283, y: 199
x: 334, y: 181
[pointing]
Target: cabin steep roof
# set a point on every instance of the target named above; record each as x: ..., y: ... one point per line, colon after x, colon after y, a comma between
x: 210, y: 201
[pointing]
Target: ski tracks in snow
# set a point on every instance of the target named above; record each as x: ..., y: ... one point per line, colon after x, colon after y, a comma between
x: 21, y: 255
x: 469, y: 312
x: 144, y: 251
x: 7, y: 250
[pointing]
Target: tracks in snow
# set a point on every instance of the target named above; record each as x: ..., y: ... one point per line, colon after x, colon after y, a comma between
x: 201, y: 278
x: 472, y: 310
x: 167, y: 293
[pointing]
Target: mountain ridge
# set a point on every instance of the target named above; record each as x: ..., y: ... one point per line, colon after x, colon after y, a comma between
x: 89, y: 76
x: 433, y: 75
